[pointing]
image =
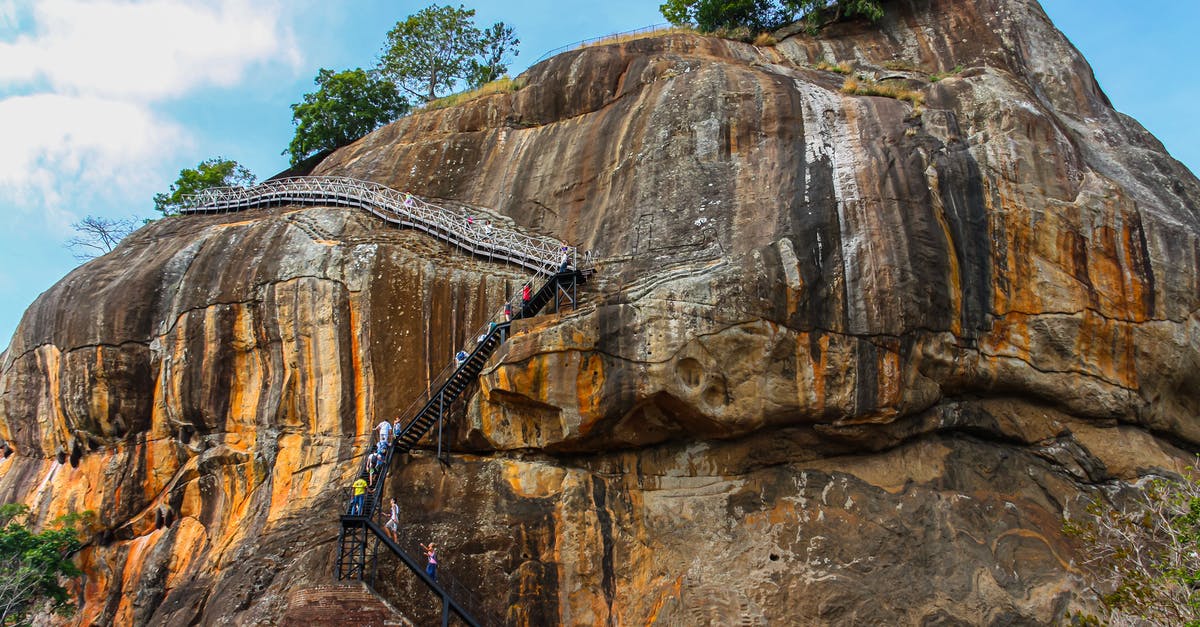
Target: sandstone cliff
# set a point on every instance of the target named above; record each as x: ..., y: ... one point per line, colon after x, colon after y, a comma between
x: 844, y: 361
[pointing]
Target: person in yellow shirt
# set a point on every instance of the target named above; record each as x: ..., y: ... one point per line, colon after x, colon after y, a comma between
x: 360, y: 490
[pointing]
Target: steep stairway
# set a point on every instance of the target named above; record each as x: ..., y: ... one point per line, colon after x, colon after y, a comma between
x: 361, y: 537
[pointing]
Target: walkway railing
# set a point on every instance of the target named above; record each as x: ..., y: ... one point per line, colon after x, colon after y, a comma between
x: 538, y: 253
x: 586, y: 42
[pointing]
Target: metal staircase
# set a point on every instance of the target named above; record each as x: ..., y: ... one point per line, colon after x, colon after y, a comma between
x: 360, y: 537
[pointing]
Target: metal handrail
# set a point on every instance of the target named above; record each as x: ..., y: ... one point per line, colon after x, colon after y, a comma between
x: 653, y: 28
x: 513, y: 304
x: 538, y: 253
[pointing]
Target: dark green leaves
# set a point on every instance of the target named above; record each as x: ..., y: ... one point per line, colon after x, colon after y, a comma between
x: 215, y: 172
x: 431, y: 52
x: 764, y: 15
x: 346, y: 106
x: 32, y: 565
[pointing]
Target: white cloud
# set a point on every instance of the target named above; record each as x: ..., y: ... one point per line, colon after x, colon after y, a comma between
x: 58, y: 146
x: 144, y: 50
x: 79, y: 81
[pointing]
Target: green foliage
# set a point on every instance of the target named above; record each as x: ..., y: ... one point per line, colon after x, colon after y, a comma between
x: 1143, y: 559
x: 346, y: 106
x: 33, y: 565
x: 714, y: 15
x: 430, y: 52
x: 215, y: 172
x: 760, y: 15
x: 495, y: 44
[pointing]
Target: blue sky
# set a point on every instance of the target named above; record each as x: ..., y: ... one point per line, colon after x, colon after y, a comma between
x: 103, y: 101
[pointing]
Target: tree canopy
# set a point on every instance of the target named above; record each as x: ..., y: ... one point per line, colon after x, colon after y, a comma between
x: 432, y: 51
x: 495, y: 44
x: 33, y: 565
x: 215, y: 172
x: 763, y: 15
x: 346, y: 106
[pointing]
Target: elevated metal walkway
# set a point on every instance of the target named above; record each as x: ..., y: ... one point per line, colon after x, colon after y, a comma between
x: 540, y: 254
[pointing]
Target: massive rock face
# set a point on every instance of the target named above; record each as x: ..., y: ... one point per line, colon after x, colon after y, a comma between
x: 843, y: 361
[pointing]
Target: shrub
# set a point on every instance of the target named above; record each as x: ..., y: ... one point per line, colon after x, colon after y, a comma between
x: 937, y: 76
x: 862, y: 87
x: 765, y: 39
x: 1142, y: 559
x: 500, y: 86
x: 33, y: 566
x: 823, y: 65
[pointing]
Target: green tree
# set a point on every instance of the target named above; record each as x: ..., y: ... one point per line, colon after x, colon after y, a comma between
x: 495, y: 44
x: 1143, y: 559
x: 346, y: 106
x: 763, y: 15
x: 431, y: 52
x: 215, y: 172
x: 33, y: 566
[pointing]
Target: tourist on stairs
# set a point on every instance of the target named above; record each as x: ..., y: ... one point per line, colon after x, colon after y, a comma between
x: 360, y: 490
x: 431, y: 567
x: 385, y: 431
x: 393, y: 523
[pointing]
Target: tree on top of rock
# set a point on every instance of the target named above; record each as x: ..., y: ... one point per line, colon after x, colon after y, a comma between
x: 346, y: 106
x: 215, y: 172
x: 431, y: 52
x: 763, y: 15
x: 495, y: 44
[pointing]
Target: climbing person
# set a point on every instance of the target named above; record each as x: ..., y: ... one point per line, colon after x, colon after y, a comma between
x: 396, y: 427
x: 431, y: 555
x: 372, y: 466
x: 393, y: 523
x: 470, y: 222
x: 508, y: 312
x: 526, y: 294
x: 460, y: 358
x: 408, y: 200
x: 487, y: 228
x: 381, y: 450
x: 566, y: 260
x: 359, y: 489
x: 385, y: 431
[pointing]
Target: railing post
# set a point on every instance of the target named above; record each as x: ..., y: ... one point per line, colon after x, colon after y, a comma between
x: 441, y: 415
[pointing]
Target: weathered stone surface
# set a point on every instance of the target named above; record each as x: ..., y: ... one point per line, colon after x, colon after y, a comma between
x: 843, y: 361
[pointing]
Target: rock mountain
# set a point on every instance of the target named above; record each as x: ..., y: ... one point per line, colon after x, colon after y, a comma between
x: 845, y: 360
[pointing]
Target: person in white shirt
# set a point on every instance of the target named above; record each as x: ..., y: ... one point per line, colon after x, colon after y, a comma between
x: 385, y: 431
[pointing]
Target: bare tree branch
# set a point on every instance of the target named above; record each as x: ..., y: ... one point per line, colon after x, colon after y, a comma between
x: 98, y: 236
